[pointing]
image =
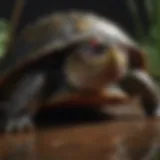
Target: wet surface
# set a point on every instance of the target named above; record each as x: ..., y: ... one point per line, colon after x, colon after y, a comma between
x: 83, y: 134
x: 112, y: 133
x: 106, y: 140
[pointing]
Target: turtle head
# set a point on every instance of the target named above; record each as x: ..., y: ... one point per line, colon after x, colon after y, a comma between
x: 95, y: 64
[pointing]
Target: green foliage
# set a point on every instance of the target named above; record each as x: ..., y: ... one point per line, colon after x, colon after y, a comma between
x: 4, y: 30
x: 150, y: 42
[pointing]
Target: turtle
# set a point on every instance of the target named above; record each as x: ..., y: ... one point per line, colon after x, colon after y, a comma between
x: 71, y: 57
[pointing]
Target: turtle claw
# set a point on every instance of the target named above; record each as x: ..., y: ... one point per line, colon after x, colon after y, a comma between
x: 18, y: 125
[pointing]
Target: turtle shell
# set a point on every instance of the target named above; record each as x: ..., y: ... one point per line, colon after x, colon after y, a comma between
x: 57, y: 31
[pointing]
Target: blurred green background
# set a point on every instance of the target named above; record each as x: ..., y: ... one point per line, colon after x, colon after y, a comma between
x: 149, y: 42
x: 4, y: 31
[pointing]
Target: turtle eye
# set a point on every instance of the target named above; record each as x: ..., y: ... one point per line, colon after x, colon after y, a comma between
x: 93, y: 48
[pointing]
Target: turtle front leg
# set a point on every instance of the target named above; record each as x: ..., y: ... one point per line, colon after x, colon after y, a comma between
x: 15, y: 112
x: 140, y: 83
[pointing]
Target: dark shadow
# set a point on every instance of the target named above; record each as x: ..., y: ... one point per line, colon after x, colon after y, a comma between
x: 70, y: 116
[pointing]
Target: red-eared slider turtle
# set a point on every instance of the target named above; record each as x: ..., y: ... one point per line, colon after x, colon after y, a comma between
x: 70, y: 52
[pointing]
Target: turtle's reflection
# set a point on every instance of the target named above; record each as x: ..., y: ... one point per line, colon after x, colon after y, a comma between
x: 20, y: 147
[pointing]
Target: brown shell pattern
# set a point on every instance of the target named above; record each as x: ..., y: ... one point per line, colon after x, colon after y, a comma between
x: 59, y: 30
